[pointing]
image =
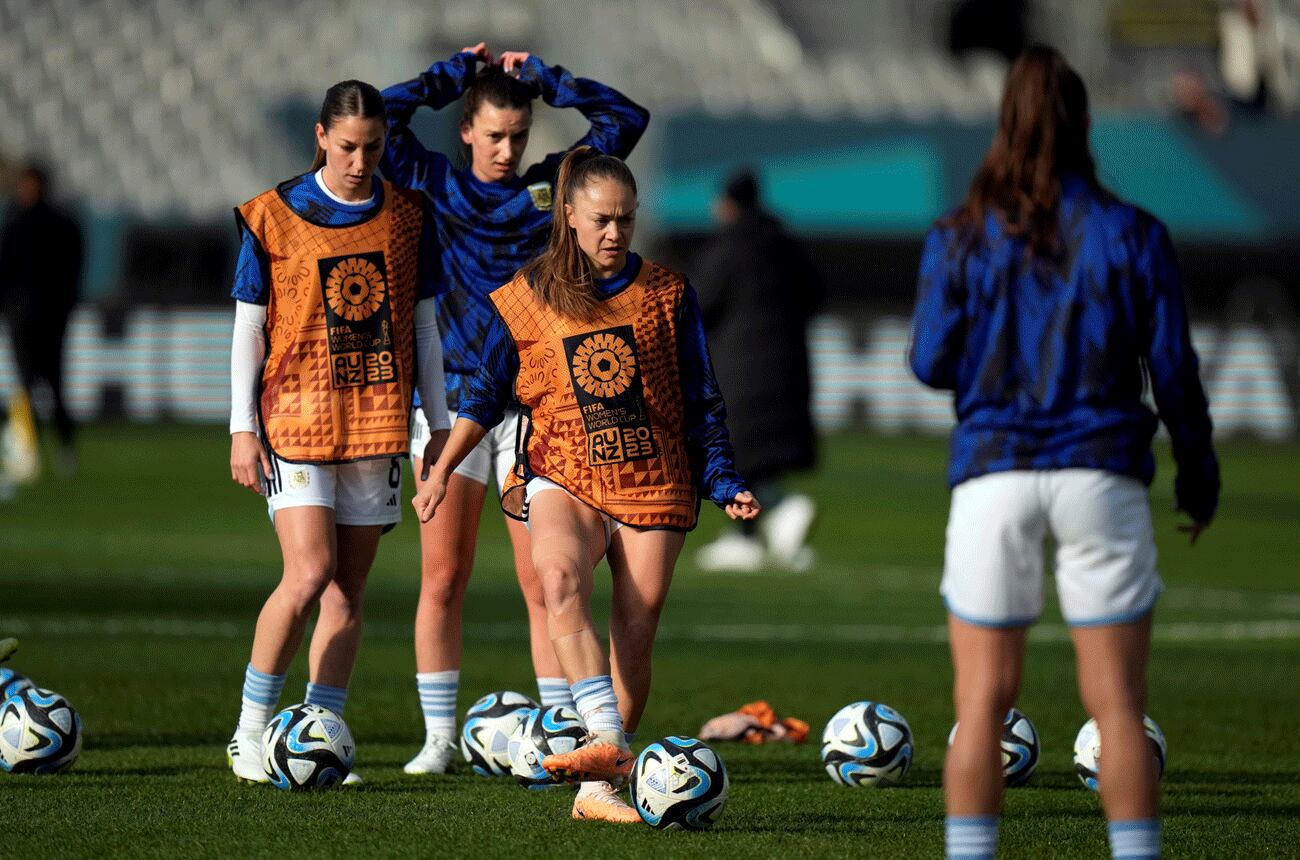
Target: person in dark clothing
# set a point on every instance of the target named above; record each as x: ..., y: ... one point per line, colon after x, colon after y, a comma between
x: 40, y: 270
x: 758, y: 287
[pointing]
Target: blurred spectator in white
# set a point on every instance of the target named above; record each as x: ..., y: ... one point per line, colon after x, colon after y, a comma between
x: 757, y: 289
x: 1259, y: 54
x: 40, y: 270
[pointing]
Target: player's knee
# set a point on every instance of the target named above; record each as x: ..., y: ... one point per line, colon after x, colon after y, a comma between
x: 443, y: 584
x: 990, y: 696
x: 561, y: 586
x: 305, y: 582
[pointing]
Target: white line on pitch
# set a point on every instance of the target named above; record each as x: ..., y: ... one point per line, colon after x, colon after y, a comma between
x: 1172, y: 631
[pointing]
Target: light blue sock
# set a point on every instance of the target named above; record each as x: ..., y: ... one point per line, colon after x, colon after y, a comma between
x: 334, y: 698
x: 554, y: 692
x: 1135, y: 840
x: 438, y: 701
x: 261, y: 694
x: 598, y: 704
x: 972, y: 837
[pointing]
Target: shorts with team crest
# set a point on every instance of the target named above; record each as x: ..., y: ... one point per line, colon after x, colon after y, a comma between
x: 364, y: 493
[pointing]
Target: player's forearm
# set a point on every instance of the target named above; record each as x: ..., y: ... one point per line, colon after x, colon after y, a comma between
x: 617, y: 122
x: 247, y: 353
x: 465, y: 436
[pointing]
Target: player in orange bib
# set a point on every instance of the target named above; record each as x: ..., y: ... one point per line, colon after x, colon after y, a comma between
x: 335, y: 326
x: 625, y: 429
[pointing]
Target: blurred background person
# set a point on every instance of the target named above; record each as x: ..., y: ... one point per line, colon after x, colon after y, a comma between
x: 40, y: 270
x: 758, y: 288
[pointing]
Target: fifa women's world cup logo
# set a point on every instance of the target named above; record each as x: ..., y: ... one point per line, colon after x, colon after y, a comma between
x: 355, y: 289
x: 358, y: 319
x: 603, y: 365
x: 607, y: 385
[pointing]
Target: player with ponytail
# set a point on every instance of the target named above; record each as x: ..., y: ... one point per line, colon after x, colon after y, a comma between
x: 335, y: 326
x: 605, y: 354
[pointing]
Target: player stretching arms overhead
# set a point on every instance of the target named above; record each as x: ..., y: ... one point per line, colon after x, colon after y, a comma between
x: 606, y: 354
x: 334, y: 323
x: 1047, y: 305
x: 491, y: 220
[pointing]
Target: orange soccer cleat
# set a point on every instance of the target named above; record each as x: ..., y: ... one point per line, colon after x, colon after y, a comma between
x: 594, y: 761
x: 598, y: 801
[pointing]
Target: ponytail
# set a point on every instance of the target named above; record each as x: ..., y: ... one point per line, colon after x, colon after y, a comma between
x: 344, y: 99
x: 560, y: 276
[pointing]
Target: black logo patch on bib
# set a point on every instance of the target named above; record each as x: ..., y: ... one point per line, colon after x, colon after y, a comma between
x: 606, y: 378
x: 358, y: 319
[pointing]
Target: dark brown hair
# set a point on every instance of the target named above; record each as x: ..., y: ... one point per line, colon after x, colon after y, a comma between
x: 561, y: 275
x: 494, y: 86
x: 344, y: 99
x: 1042, y: 132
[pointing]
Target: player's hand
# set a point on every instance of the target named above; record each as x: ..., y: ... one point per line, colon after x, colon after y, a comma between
x: 513, y: 61
x: 1193, y: 530
x: 247, y: 456
x: 428, y: 498
x: 480, y: 52
x: 745, y: 507
x: 432, y: 451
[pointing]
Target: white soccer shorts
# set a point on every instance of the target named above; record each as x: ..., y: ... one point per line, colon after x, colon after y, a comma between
x: 1105, y: 549
x: 364, y: 493
x: 493, y: 455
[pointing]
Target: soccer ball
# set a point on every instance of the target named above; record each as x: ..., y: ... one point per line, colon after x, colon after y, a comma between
x: 307, y: 746
x: 1087, y: 750
x: 543, y: 732
x: 867, y: 743
x: 489, y: 723
x: 12, y: 682
x: 1020, y: 747
x: 40, y: 732
x: 679, y: 784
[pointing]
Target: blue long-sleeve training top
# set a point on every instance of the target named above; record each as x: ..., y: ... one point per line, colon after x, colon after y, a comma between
x: 488, y: 230
x: 306, y: 197
x: 1049, y: 358
x: 491, y: 389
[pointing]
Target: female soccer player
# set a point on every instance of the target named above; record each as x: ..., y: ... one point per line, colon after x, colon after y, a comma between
x: 605, y: 352
x: 491, y: 220
x: 1048, y: 305
x: 334, y: 325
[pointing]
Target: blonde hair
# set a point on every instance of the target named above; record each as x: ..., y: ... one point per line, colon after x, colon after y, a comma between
x: 560, y: 276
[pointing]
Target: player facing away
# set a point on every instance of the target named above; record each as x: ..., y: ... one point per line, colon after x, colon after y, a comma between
x: 491, y: 220
x: 605, y: 353
x: 334, y: 325
x: 1047, y: 305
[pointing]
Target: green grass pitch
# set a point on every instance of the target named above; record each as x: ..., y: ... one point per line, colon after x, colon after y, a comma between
x: 134, y: 590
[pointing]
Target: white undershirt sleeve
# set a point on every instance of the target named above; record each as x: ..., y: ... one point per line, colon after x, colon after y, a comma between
x: 247, y: 352
x: 429, y: 379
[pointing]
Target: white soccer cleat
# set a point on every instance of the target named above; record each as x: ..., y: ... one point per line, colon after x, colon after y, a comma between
x: 438, y: 755
x: 353, y: 778
x: 244, y: 755
x: 731, y: 552
x: 598, y: 801
x: 785, y: 527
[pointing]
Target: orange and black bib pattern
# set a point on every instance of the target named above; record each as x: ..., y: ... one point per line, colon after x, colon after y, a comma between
x: 340, y: 366
x: 605, y: 401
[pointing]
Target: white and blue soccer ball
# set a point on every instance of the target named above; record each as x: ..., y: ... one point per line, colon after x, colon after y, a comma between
x: 12, y: 682
x: 489, y: 723
x: 307, y: 746
x: 543, y: 731
x: 40, y: 732
x: 1087, y: 750
x: 679, y: 784
x: 1020, y: 747
x: 867, y: 744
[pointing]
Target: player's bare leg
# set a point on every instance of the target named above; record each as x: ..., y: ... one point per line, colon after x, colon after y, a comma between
x: 568, y: 540
x: 545, y: 663
x: 642, y: 563
x: 1112, y: 667
x: 447, y: 545
x: 337, y: 637
x: 986, y: 679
